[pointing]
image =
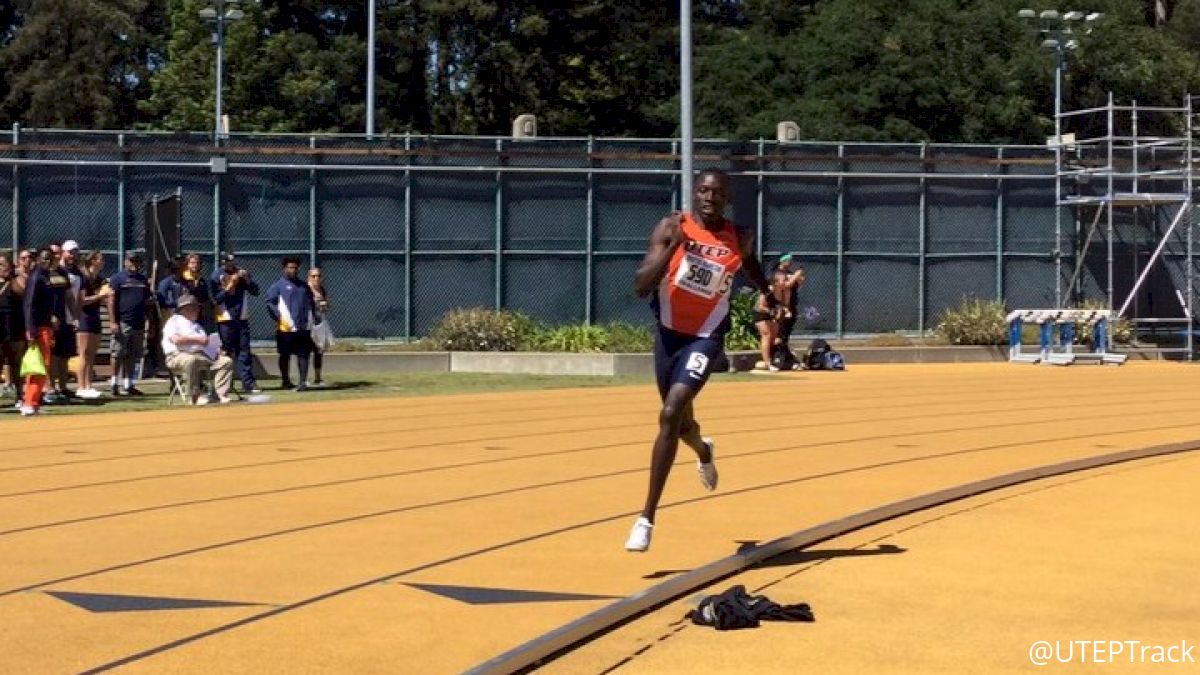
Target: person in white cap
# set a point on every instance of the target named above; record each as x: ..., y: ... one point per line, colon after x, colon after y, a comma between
x: 191, y: 353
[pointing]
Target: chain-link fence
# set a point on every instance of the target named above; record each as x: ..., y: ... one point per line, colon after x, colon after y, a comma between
x: 408, y: 227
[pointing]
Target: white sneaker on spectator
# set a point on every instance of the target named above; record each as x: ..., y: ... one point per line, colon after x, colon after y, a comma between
x: 201, y: 400
x: 28, y: 411
x: 88, y: 394
x: 639, y: 536
x: 225, y: 399
x: 708, y: 470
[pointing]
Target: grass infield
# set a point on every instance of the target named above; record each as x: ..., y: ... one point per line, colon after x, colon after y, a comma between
x: 357, y: 385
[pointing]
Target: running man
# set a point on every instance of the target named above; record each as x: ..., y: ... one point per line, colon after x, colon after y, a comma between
x: 690, y: 267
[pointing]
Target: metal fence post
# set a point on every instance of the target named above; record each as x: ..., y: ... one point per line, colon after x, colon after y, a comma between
x: 121, y: 225
x: 499, y: 226
x: 1058, y: 212
x: 922, y: 242
x: 589, y: 264
x: 408, y: 245
x: 1000, y: 225
x: 840, y: 275
x: 16, y: 192
x: 758, y: 207
x: 312, y: 206
x: 675, y: 177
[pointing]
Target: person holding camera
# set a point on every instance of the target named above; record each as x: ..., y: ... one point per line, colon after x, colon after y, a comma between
x: 230, y: 288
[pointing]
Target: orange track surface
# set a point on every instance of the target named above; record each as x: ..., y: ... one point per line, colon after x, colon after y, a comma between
x: 320, y: 518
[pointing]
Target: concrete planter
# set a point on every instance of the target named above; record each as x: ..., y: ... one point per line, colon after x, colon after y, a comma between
x: 533, y: 363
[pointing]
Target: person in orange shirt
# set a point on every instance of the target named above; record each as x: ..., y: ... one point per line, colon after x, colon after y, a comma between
x: 689, y: 270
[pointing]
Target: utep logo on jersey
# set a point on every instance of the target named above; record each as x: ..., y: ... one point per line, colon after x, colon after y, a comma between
x: 706, y: 250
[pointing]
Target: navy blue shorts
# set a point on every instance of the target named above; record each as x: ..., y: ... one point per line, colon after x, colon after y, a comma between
x: 64, y: 342
x: 683, y: 359
x: 89, y: 322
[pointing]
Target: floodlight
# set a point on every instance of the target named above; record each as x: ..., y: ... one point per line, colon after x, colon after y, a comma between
x: 208, y: 13
x: 1072, y: 16
x: 1049, y: 15
x: 234, y: 14
x: 1050, y: 43
x: 1026, y: 14
x: 1094, y: 16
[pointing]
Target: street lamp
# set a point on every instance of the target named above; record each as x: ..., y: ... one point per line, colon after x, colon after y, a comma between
x: 370, y: 68
x: 1057, y: 32
x: 218, y: 16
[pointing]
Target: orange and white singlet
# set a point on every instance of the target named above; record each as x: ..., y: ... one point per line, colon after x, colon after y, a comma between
x: 693, y: 297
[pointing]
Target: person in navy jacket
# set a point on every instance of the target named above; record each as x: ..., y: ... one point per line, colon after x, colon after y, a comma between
x: 290, y: 303
x: 128, y: 306
x: 231, y: 287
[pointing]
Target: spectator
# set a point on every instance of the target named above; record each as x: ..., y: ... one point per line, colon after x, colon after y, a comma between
x: 94, y: 291
x: 12, y: 328
x: 20, y: 278
x: 290, y: 304
x: 230, y: 286
x: 764, y: 320
x: 186, y: 345
x: 168, y: 289
x: 192, y: 282
x: 127, y: 307
x: 316, y: 284
x: 65, y: 342
x: 45, y: 306
x: 784, y: 284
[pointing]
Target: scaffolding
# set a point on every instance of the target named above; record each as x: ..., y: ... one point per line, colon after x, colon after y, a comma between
x: 1126, y: 171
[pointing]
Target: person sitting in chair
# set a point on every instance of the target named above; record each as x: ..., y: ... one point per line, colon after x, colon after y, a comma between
x: 189, y: 355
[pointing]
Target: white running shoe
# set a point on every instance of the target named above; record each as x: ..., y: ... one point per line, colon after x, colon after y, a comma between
x: 29, y: 411
x: 88, y: 394
x: 708, y: 472
x: 639, y: 536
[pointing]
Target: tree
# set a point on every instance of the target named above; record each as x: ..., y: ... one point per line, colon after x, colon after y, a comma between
x: 75, y: 63
x: 938, y: 70
x: 298, y: 67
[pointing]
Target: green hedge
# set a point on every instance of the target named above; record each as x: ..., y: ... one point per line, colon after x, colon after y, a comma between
x: 487, y: 330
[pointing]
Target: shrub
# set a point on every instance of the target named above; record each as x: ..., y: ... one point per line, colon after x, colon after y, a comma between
x: 624, y: 338
x: 575, y: 338
x: 481, y: 330
x: 974, y: 322
x: 1121, y: 330
x: 742, y: 333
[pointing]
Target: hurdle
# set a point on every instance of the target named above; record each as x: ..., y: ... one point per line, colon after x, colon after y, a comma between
x: 1063, y: 353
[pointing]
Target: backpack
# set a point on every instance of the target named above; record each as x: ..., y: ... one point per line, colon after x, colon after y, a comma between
x: 820, y: 356
x: 782, y: 357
